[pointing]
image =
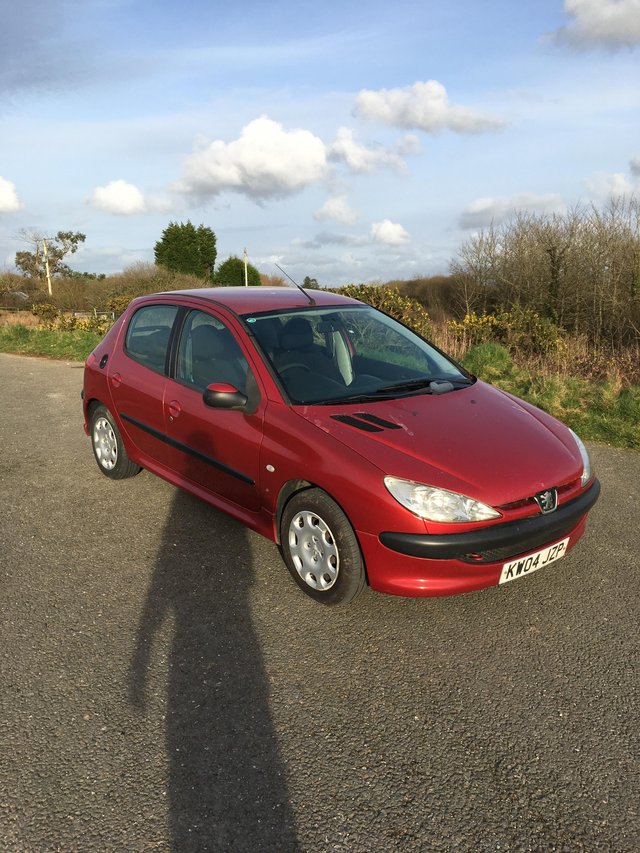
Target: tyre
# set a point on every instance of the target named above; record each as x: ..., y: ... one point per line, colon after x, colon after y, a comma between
x: 108, y: 447
x: 320, y: 548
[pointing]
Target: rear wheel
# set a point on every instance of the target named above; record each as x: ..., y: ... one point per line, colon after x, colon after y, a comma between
x: 320, y: 548
x: 108, y: 447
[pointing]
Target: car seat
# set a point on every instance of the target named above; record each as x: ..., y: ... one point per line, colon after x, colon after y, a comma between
x: 216, y: 357
x: 298, y: 351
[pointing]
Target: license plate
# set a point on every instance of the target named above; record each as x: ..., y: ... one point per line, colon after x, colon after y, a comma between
x: 528, y: 565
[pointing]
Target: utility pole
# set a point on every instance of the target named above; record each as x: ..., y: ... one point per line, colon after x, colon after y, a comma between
x: 246, y: 275
x: 46, y: 265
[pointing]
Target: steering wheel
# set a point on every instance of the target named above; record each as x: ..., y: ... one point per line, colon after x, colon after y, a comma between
x: 295, y: 364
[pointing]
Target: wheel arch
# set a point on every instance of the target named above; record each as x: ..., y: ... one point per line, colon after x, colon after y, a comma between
x: 92, y: 404
x: 290, y: 488
x: 89, y: 406
x: 294, y: 487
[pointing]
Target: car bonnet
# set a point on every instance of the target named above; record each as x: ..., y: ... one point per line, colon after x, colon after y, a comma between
x: 476, y: 440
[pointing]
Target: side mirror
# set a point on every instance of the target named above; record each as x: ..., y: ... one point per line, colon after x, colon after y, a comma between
x: 221, y: 395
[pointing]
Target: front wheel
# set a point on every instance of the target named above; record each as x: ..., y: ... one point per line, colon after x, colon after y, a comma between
x: 320, y: 548
x: 108, y: 447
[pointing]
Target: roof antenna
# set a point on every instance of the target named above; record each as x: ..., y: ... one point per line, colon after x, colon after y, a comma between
x: 312, y: 301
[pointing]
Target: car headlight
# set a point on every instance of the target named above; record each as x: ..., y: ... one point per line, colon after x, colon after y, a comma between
x: 438, y: 504
x: 586, y: 462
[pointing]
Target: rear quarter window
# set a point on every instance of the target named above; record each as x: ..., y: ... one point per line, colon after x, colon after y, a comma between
x: 147, y: 339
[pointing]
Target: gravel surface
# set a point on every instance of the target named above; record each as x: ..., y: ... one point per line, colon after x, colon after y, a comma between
x: 166, y: 687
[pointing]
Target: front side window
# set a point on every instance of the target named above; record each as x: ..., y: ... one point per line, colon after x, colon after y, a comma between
x: 324, y: 355
x: 148, y: 334
x: 209, y: 353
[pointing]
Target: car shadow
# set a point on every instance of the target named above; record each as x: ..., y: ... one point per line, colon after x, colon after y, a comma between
x: 227, y: 782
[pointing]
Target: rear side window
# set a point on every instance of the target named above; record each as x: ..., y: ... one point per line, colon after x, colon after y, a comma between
x: 147, y: 338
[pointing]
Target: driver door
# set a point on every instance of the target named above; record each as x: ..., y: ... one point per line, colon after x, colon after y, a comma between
x: 218, y: 449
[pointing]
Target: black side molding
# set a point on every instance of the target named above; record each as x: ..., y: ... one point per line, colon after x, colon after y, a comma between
x: 185, y: 448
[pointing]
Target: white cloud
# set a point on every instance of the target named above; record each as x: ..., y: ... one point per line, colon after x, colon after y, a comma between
x: 110, y: 258
x: 265, y: 161
x: 328, y: 238
x: 422, y: 106
x: 9, y: 200
x: 389, y: 233
x: 634, y: 165
x: 607, y: 185
x: 606, y: 23
x: 494, y: 210
x: 119, y: 197
x: 338, y: 209
x: 408, y: 144
x: 361, y: 159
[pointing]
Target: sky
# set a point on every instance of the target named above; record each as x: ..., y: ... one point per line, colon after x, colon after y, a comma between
x: 344, y: 141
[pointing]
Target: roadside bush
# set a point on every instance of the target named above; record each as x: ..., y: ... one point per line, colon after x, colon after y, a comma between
x: 142, y: 278
x: 96, y: 325
x: 46, y: 313
x: 80, y: 293
x: 475, y: 328
x: 13, y: 299
x: 520, y: 329
x: 65, y: 323
x: 51, y: 318
x: 118, y: 303
x: 525, y: 330
x: 403, y: 308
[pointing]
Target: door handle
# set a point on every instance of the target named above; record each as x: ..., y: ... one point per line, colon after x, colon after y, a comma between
x: 116, y: 380
x: 174, y: 409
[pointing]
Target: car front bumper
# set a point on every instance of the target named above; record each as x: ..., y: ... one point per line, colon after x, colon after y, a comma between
x: 524, y: 534
x: 423, y: 565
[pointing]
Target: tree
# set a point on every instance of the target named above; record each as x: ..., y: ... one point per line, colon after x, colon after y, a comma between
x: 272, y: 280
x: 32, y: 264
x: 185, y: 248
x: 580, y: 269
x: 310, y: 282
x: 231, y: 273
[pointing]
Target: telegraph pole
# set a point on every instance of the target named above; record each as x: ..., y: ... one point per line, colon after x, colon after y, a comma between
x: 46, y: 265
x: 246, y: 275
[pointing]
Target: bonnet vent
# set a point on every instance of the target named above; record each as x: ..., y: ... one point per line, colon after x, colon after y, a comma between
x: 366, y: 422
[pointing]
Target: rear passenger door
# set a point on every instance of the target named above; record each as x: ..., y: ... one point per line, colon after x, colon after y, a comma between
x: 137, y: 380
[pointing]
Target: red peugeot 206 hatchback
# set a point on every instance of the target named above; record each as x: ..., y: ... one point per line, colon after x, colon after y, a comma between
x: 367, y: 454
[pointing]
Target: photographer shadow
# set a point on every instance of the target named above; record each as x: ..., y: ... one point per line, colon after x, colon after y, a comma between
x: 227, y: 783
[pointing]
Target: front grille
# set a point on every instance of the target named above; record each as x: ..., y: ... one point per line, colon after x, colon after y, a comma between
x: 531, y: 501
x: 510, y: 552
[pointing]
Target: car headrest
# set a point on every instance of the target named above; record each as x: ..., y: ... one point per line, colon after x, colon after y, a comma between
x: 206, y: 342
x: 297, y: 334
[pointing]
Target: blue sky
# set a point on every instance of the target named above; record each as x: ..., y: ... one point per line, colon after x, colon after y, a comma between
x: 356, y: 141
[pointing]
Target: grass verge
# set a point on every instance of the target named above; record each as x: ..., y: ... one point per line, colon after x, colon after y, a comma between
x: 597, y: 411
x: 74, y: 346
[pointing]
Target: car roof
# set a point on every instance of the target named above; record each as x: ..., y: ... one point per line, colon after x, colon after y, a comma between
x: 244, y: 300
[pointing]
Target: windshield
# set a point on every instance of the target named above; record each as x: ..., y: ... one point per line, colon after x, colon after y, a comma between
x: 350, y: 354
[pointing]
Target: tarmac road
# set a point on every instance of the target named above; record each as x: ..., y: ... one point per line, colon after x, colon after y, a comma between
x: 166, y: 687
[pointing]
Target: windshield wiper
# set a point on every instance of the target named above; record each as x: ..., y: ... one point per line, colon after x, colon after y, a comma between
x: 455, y: 380
x: 407, y: 385
x: 423, y: 382
x: 355, y: 398
x: 388, y: 392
